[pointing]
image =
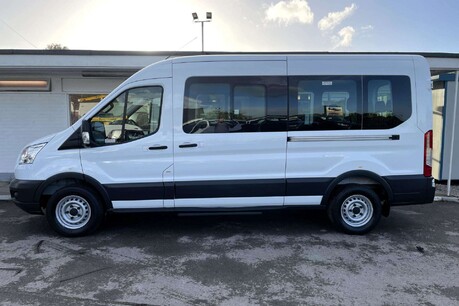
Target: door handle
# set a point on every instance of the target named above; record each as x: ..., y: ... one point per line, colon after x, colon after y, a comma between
x: 188, y: 145
x: 157, y: 148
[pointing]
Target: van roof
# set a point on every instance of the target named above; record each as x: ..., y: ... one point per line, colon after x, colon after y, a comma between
x: 283, y: 57
x: 163, y: 69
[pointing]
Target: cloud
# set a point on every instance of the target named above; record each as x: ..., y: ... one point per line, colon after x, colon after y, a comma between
x: 366, y: 31
x: 344, y: 38
x: 367, y: 28
x: 333, y: 19
x: 290, y: 11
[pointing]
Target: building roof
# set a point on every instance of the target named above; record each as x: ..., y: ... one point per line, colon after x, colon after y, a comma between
x: 127, y: 62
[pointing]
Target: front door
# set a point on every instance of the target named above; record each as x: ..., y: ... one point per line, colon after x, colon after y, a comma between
x: 131, y: 151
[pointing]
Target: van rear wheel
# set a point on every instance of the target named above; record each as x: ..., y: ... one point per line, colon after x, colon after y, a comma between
x: 74, y: 211
x: 355, y: 210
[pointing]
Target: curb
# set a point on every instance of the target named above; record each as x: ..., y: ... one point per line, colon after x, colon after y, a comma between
x: 446, y: 199
x: 5, y: 198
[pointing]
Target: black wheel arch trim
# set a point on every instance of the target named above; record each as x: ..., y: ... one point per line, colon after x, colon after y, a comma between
x: 78, y: 176
x: 357, y: 173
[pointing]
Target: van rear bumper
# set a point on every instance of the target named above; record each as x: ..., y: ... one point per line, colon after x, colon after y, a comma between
x: 411, y: 189
x: 23, y: 195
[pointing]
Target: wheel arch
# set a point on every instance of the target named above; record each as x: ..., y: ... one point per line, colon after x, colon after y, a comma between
x: 61, y: 180
x: 359, y: 177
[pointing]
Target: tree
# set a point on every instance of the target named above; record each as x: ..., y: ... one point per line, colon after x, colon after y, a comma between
x: 55, y: 46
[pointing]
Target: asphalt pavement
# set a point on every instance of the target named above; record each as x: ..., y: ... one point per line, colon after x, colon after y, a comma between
x: 277, y: 258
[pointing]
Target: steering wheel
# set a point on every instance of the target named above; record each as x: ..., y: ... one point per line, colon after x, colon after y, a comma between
x: 199, y: 125
x: 131, y: 122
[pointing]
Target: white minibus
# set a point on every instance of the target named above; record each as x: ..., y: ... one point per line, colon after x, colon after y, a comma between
x: 351, y: 134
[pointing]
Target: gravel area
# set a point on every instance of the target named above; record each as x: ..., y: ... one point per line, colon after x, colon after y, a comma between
x: 442, y: 189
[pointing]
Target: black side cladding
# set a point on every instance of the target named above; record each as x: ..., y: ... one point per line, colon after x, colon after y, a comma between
x: 411, y: 189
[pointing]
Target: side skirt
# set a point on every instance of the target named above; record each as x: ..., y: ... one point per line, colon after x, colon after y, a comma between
x: 197, y: 210
x: 212, y: 204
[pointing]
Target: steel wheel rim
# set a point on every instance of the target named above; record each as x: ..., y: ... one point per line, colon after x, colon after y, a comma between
x: 356, y: 210
x: 73, y: 212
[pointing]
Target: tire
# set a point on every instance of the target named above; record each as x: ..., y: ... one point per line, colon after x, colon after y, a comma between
x: 355, y: 210
x: 74, y: 211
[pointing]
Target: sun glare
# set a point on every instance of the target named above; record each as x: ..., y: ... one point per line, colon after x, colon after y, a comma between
x: 137, y: 25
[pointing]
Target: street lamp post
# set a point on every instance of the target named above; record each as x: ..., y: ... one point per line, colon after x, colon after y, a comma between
x: 208, y: 19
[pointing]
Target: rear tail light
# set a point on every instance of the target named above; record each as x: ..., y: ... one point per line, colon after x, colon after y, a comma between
x: 428, y: 153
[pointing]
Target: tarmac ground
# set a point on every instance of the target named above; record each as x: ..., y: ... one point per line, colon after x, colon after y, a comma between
x: 285, y: 258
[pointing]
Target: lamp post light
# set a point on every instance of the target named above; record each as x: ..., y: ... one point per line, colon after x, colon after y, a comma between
x: 208, y: 19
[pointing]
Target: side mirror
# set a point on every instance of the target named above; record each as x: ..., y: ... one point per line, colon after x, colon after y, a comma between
x: 85, y: 133
x: 93, y: 133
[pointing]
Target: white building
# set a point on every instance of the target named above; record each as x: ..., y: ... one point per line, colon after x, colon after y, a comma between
x: 42, y: 92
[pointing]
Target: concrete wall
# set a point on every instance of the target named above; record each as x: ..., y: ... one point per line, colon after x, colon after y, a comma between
x: 26, y: 116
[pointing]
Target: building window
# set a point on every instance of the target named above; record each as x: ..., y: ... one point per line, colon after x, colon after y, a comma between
x: 81, y: 104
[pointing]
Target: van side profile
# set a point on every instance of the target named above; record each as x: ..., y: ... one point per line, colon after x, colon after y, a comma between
x: 351, y: 134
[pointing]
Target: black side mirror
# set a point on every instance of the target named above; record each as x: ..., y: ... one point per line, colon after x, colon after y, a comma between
x: 93, y: 133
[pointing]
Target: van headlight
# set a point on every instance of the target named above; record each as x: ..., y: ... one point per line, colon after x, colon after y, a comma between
x: 29, y: 153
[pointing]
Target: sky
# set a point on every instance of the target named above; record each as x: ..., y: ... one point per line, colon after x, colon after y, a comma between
x: 237, y: 25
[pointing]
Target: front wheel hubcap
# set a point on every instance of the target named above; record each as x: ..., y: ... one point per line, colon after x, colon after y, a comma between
x: 73, y: 212
x: 356, y: 210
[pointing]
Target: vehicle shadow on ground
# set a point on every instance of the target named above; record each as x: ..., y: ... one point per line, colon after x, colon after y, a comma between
x: 268, y: 222
x: 297, y: 222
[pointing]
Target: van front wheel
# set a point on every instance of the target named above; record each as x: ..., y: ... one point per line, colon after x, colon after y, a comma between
x: 355, y: 210
x: 74, y: 211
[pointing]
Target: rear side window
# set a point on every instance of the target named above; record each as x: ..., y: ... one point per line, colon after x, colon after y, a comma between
x: 387, y: 101
x: 325, y: 103
x: 348, y: 102
x: 235, y: 105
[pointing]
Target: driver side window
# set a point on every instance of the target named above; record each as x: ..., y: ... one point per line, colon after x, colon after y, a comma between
x: 132, y: 115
